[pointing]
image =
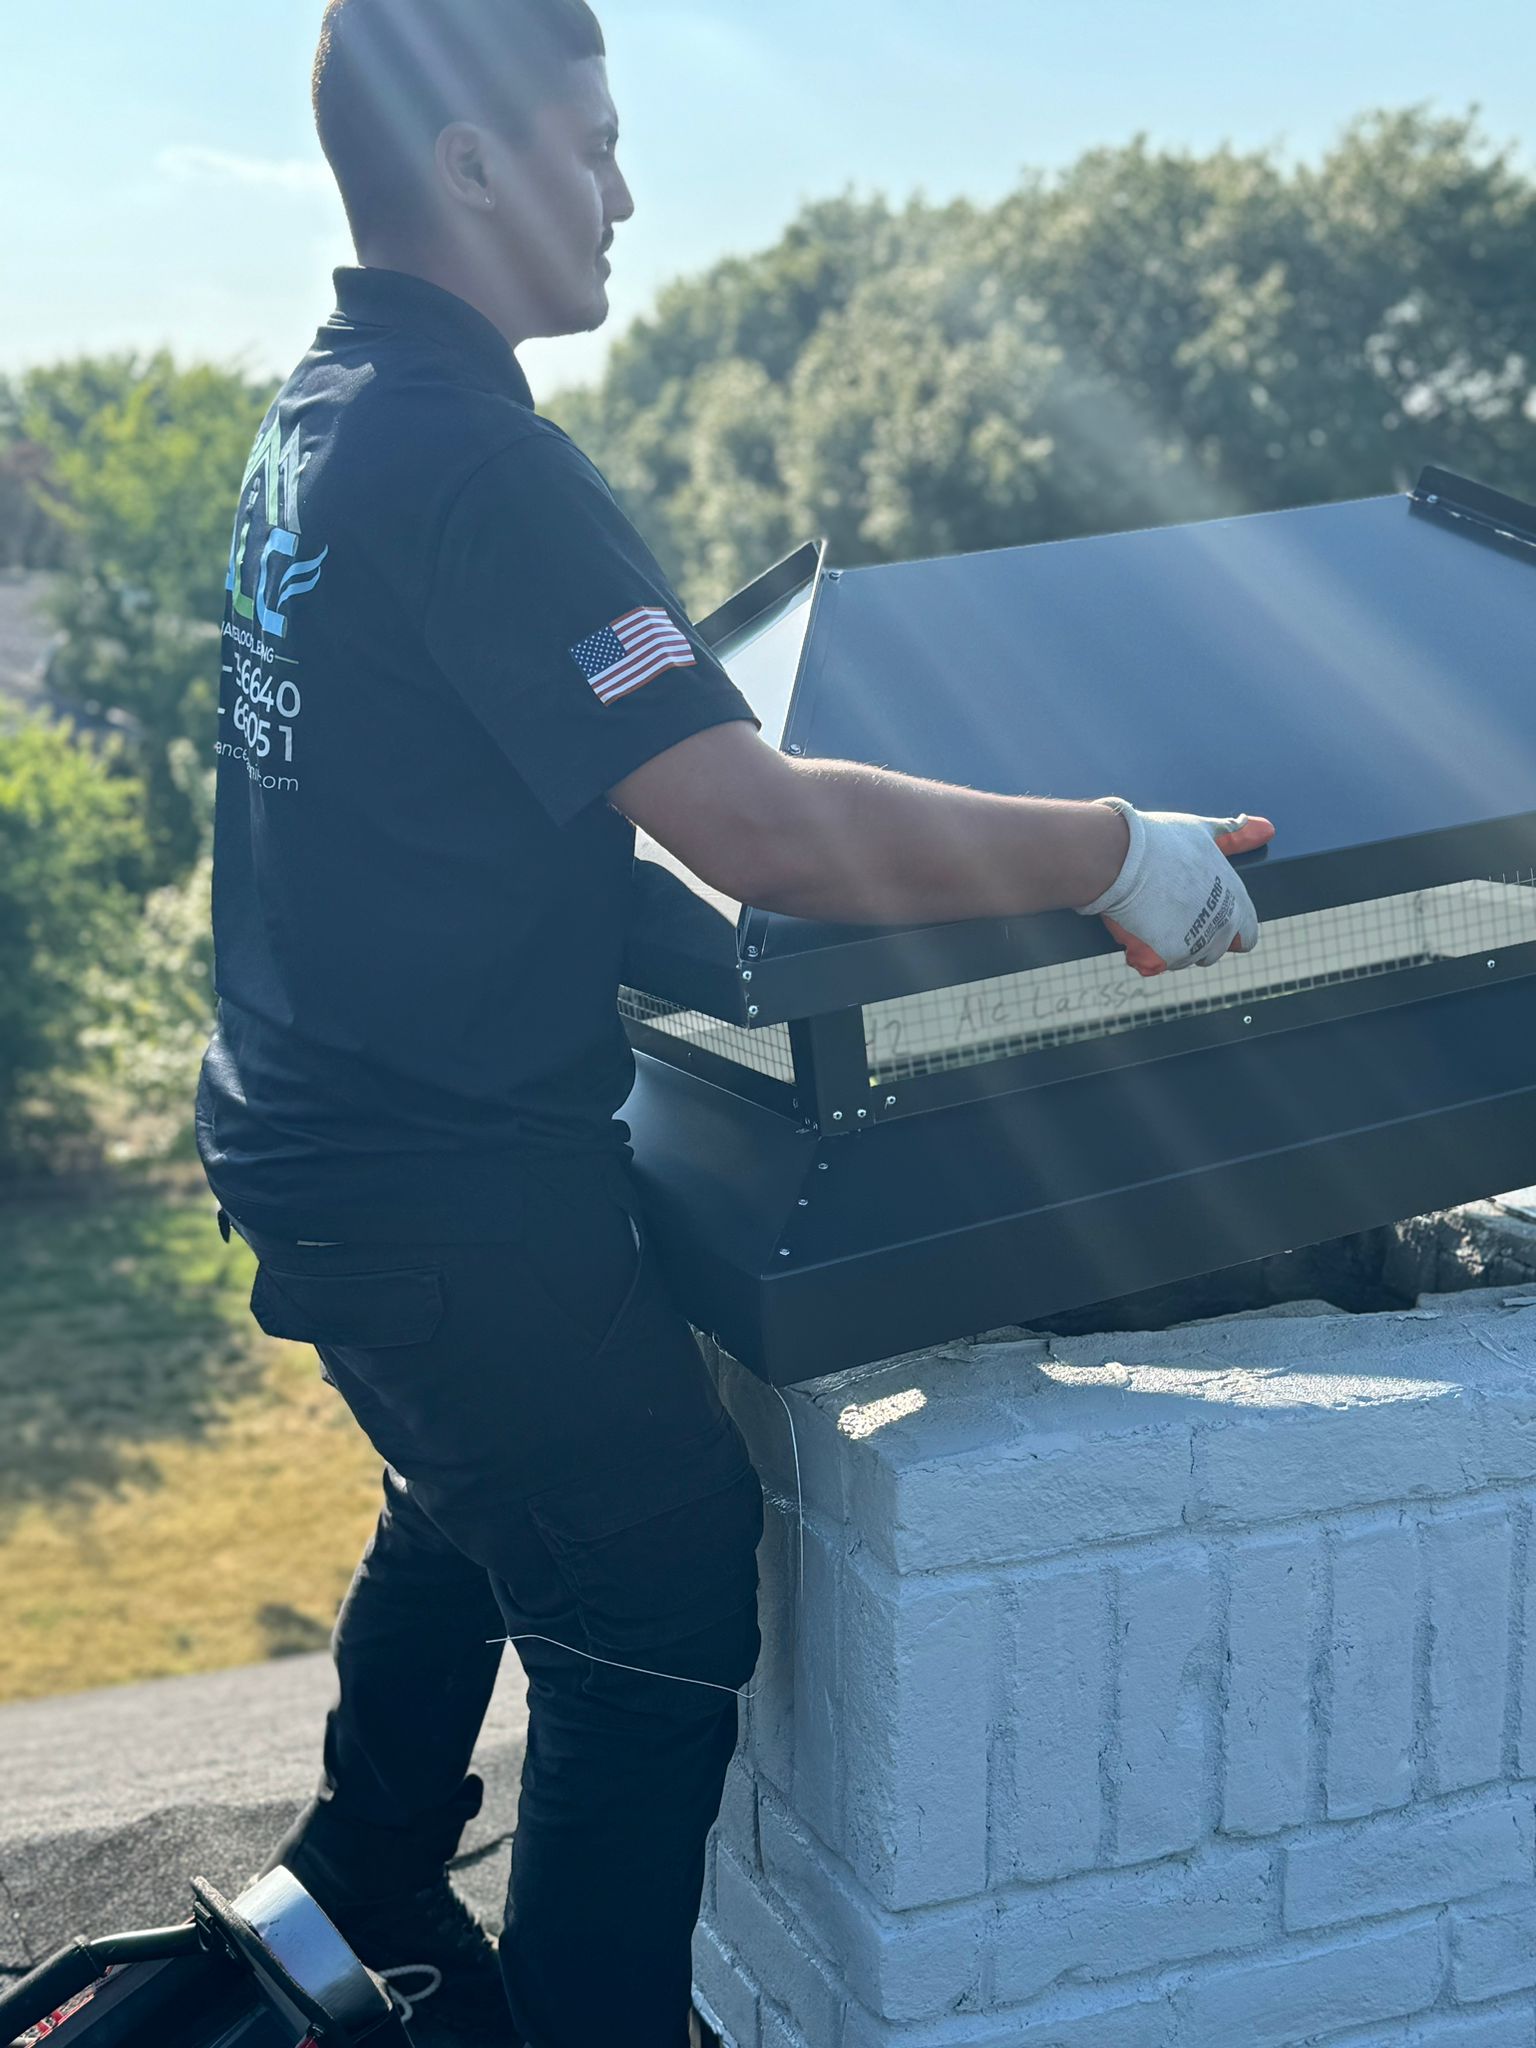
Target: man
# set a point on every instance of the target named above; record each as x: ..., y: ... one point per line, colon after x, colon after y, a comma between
x: 434, y: 751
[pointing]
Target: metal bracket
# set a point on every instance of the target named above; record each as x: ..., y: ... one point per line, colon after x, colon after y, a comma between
x: 832, y: 1071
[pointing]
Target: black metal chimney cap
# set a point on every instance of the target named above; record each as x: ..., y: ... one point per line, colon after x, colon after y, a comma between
x: 1359, y: 672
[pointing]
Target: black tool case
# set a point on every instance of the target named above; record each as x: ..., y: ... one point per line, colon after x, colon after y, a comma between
x: 856, y: 1142
x: 266, y: 1971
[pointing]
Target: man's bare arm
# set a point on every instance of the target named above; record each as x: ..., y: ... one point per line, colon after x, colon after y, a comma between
x: 854, y: 845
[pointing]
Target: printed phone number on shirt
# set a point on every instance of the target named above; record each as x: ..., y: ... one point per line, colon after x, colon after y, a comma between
x: 266, y: 704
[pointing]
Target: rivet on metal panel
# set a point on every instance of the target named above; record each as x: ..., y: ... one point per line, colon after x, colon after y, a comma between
x: 751, y: 952
x: 1247, y: 1020
x: 752, y: 1010
x: 837, y: 1116
x: 805, y: 1201
x: 890, y: 1102
x: 836, y: 575
x: 822, y: 1166
x: 863, y: 1115
x: 746, y: 974
x: 1493, y: 963
x: 797, y: 750
x: 784, y: 1251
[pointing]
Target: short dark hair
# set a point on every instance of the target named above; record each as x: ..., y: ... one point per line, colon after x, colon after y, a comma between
x: 391, y: 75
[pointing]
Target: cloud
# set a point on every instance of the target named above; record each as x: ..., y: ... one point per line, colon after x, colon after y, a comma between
x: 189, y: 164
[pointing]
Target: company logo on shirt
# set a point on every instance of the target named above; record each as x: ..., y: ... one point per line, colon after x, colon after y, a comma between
x: 273, y: 476
x: 269, y: 571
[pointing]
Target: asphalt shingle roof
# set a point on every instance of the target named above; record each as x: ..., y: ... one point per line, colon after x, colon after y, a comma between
x: 111, y: 1801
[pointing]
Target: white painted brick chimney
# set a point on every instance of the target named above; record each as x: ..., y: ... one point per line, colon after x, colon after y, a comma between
x: 1157, y: 1691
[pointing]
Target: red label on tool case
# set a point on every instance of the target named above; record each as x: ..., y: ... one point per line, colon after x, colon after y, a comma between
x: 31, y: 2035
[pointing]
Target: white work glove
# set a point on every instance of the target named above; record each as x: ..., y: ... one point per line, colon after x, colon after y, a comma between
x: 1177, y: 892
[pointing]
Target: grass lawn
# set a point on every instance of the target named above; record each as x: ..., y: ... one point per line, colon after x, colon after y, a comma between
x: 177, y: 1492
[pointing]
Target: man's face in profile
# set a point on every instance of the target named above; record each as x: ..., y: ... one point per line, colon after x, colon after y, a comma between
x: 560, y: 194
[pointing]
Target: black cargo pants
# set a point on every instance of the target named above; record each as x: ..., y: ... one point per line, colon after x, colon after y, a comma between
x: 559, y: 1465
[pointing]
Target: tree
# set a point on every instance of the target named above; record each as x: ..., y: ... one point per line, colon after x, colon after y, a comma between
x: 1151, y: 336
x: 661, y: 416
x: 29, y: 539
x: 145, y: 460
x: 150, y: 999
x: 72, y: 859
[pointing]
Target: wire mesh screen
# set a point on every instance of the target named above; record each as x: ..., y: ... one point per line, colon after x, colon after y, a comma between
x: 766, y: 1051
x: 1098, y: 998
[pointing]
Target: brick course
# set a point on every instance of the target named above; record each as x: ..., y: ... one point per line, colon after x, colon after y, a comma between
x: 1424, y: 1857
x: 1159, y: 1763
x: 1493, y: 1946
x: 1048, y: 1806
x: 1267, y: 1717
x: 915, y: 1705
x: 1370, y: 1669
x: 1468, y: 1555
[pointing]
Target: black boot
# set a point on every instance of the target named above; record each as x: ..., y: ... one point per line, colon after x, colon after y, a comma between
x: 389, y: 1895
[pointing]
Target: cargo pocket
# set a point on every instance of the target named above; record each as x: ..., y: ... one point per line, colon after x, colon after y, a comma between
x: 666, y: 1554
x: 349, y: 1311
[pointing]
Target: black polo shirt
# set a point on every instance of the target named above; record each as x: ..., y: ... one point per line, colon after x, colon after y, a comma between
x: 442, y: 644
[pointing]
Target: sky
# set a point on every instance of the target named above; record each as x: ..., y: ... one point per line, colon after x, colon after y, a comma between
x: 160, y: 182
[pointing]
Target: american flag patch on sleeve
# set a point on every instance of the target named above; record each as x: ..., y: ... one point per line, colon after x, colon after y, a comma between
x: 632, y: 652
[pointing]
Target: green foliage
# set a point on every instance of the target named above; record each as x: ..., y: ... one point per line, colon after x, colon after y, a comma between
x: 29, y: 539
x: 144, y: 462
x: 1152, y: 336
x: 72, y: 859
x: 150, y: 1000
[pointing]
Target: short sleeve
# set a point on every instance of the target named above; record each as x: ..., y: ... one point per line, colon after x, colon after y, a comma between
x: 552, y: 620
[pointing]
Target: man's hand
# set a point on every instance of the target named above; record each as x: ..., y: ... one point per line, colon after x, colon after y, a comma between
x: 1176, y: 902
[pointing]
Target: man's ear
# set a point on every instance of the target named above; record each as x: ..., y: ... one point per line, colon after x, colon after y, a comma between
x: 461, y: 165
